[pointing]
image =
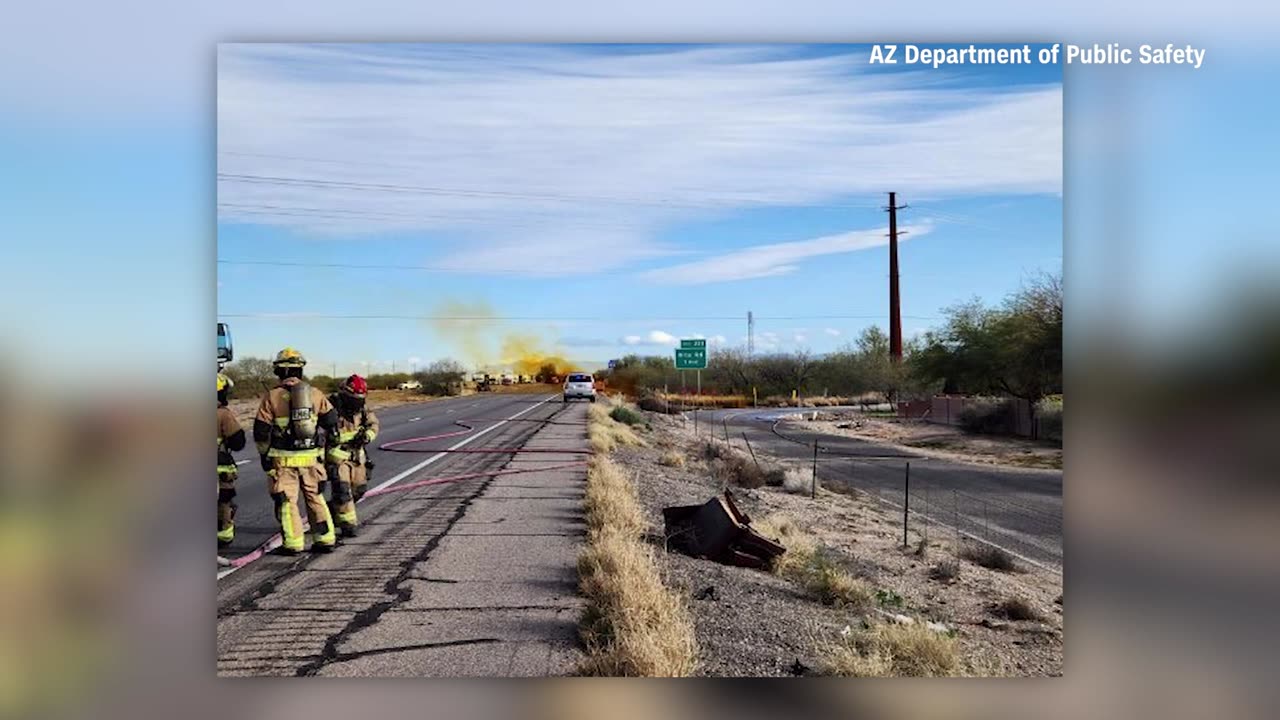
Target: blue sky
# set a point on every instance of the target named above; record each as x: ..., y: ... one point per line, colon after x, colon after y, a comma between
x: 614, y: 198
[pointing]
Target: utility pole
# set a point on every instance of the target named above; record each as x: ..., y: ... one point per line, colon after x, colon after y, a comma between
x: 751, y: 334
x: 895, y: 302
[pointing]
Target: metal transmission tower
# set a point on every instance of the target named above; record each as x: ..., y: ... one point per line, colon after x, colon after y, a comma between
x: 751, y: 334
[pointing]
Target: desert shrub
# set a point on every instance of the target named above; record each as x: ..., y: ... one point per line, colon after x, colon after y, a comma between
x: 775, y: 477
x: 797, y: 482
x: 888, y: 598
x: 1049, y: 418
x: 626, y: 415
x: 945, y: 571
x: 652, y: 403
x: 605, y: 434
x: 832, y: 585
x: 988, y: 416
x: 988, y: 556
x: 671, y: 458
x: 1016, y: 608
x: 734, y: 468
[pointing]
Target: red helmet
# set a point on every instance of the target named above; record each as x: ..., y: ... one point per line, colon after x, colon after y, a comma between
x: 354, y: 386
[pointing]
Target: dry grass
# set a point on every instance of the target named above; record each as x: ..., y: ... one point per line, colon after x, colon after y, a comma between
x: 671, y: 458
x: 988, y: 556
x: 604, y: 433
x: 610, y: 503
x: 892, y: 650
x: 804, y: 564
x: 633, y: 624
x: 706, y: 401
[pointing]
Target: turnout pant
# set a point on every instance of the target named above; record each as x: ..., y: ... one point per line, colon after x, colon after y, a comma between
x: 226, y: 506
x: 286, y: 484
x: 349, y: 482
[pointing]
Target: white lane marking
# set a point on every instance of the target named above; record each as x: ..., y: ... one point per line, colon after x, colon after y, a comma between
x: 449, y: 412
x: 392, y: 481
x: 418, y: 418
x: 242, y: 462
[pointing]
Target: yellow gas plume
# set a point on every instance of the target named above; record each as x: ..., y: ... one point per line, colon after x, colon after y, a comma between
x: 524, y: 355
x: 484, y: 344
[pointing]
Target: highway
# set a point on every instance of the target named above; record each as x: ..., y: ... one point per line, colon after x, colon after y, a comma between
x: 447, y: 579
x: 1017, y: 509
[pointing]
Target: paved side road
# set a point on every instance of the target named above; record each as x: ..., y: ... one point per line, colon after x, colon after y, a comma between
x: 1018, y: 509
x: 474, y: 578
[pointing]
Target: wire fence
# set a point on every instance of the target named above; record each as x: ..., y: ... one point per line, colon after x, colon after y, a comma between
x: 932, y: 510
x: 928, y: 506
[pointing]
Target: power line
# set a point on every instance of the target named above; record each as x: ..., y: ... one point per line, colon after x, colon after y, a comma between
x: 723, y: 203
x: 552, y: 318
x: 343, y: 214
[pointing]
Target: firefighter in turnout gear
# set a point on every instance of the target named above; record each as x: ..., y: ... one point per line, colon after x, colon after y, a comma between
x: 292, y: 425
x: 347, y: 460
x: 230, y: 438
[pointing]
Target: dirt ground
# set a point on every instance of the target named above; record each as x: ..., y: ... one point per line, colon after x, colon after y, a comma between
x: 935, y: 440
x: 753, y: 623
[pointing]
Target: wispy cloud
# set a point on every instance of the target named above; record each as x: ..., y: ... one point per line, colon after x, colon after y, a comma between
x: 774, y: 259
x: 832, y: 332
x: 654, y: 338
x: 511, y: 157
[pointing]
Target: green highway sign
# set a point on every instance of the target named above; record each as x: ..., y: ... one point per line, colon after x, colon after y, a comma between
x: 691, y: 355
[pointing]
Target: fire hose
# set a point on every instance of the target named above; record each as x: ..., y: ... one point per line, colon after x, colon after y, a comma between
x: 400, y: 446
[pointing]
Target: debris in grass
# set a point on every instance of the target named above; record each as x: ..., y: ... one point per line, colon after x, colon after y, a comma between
x: 719, y: 531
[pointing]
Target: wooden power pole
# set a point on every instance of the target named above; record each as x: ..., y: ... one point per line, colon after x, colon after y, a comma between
x: 895, y: 302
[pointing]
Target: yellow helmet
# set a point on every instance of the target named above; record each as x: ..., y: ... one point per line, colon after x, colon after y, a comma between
x: 289, y: 357
x: 224, y: 382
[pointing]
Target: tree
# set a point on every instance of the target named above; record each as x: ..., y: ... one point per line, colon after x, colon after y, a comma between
x: 731, y: 371
x: 251, y: 375
x: 1013, y: 350
x: 784, y: 373
x: 442, y: 377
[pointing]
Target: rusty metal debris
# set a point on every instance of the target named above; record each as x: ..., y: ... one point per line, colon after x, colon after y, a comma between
x: 718, y: 530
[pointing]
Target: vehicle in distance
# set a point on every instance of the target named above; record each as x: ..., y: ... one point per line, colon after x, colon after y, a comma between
x: 410, y: 385
x: 579, y: 386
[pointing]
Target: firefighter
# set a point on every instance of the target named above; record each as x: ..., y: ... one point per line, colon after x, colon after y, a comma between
x: 292, y: 424
x: 347, y: 460
x: 230, y: 438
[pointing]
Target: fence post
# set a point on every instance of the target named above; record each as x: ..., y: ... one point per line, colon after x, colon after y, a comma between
x: 725, y: 421
x: 955, y: 514
x: 906, y: 501
x: 926, y: 515
x: 813, y: 488
x: 750, y: 450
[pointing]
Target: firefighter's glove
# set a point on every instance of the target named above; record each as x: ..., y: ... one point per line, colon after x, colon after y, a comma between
x: 266, y: 463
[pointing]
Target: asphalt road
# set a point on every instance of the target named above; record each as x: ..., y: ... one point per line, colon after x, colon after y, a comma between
x: 472, y: 578
x: 255, y: 517
x: 1018, y: 509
